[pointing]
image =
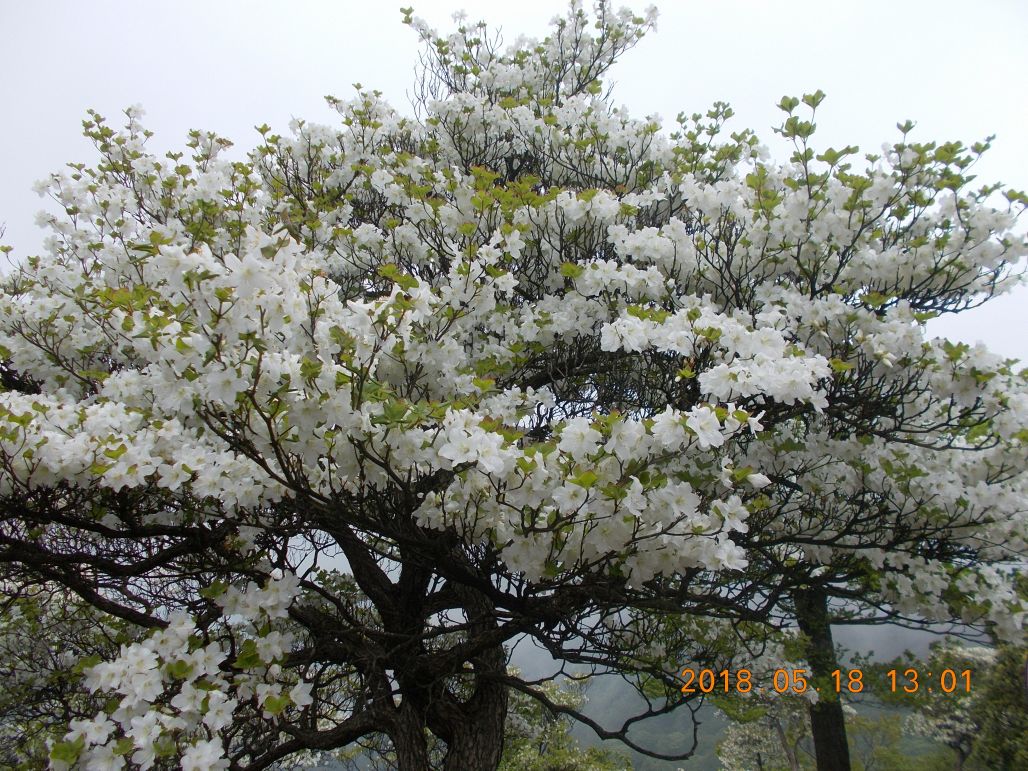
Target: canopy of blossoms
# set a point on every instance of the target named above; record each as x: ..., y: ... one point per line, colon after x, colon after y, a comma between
x: 524, y: 326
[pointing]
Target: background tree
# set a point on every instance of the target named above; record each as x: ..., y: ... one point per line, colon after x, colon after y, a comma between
x: 772, y: 732
x: 984, y: 726
x: 335, y: 424
x: 868, y: 519
x: 953, y: 719
x: 44, y: 635
x: 539, y: 740
x: 1003, y: 741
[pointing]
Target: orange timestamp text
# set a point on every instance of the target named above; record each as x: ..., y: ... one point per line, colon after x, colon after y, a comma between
x: 839, y: 680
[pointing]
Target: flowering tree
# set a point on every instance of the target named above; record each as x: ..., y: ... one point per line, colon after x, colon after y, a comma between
x: 44, y: 634
x: 334, y: 424
x: 538, y: 740
x: 953, y: 719
x: 771, y: 735
x: 986, y: 725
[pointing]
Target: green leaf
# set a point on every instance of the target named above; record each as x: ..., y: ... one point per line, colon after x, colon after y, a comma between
x: 93, y: 374
x: 955, y: 351
x: 484, y: 384
x: 165, y: 747
x: 116, y: 452
x: 526, y: 465
x: 310, y: 369
x: 276, y: 704
x: 979, y: 431
x: 247, y: 658
x: 741, y: 474
x: 875, y: 299
x: 85, y: 663
x: 179, y: 670
x: 739, y: 710
x: 788, y: 104
x: 614, y: 492
x: 394, y: 411
x: 813, y: 100
x: 551, y: 569
x: 213, y: 591
x: 394, y: 274
x: 571, y: 270
x: 389, y: 271
x: 586, y: 479
x: 67, y: 752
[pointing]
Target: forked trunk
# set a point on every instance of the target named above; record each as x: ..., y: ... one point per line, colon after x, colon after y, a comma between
x: 471, y: 728
x: 475, y: 742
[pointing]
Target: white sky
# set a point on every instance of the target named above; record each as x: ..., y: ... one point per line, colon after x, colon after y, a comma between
x: 955, y: 67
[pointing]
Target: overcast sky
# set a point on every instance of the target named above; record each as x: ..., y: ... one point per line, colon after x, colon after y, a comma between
x: 954, y: 67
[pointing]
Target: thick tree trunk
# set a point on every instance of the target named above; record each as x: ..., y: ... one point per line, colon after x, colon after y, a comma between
x: 409, y: 740
x: 478, y: 745
x: 827, y: 723
x: 461, y: 702
x: 475, y: 740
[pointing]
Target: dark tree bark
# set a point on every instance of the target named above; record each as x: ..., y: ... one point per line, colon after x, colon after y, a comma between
x: 827, y: 722
x: 409, y: 739
x: 471, y: 729
x: 476, y: 738
x: 471, y: 723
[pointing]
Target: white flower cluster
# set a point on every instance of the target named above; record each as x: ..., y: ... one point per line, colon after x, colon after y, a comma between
x: 525, y: 318
x: 176, y: 694
x: 756, y: 362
